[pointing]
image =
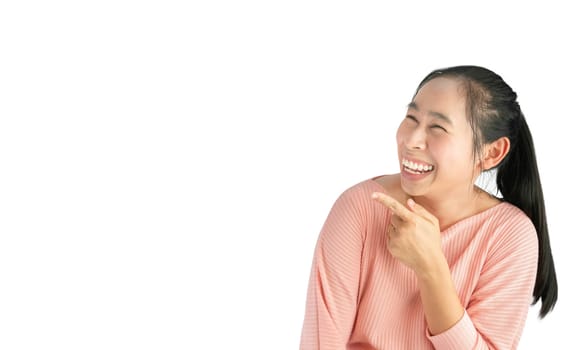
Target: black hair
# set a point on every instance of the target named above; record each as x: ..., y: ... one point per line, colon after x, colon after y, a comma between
x: 493, y: 112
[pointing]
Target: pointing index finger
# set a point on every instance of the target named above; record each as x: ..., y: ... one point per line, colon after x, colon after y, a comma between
x: 396, y: 207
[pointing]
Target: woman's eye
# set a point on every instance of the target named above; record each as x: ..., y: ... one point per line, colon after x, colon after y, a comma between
x: 438, y: 127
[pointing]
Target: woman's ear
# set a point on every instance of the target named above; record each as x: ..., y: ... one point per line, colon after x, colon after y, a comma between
x: 494, y: 152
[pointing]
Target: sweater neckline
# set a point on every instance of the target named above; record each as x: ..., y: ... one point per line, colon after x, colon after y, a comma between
x: 462, y: 221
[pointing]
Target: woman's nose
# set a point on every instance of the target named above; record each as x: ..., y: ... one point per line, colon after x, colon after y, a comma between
x: 416, y: 139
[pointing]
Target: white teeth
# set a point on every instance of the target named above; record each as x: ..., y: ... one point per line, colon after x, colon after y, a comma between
x: 416, y: 167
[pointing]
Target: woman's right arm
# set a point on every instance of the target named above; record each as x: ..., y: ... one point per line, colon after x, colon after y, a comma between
x: 334, y: 280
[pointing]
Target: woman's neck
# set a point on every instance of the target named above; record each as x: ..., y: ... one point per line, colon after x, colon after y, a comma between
x: 455, y: 207
x: 450, y: 207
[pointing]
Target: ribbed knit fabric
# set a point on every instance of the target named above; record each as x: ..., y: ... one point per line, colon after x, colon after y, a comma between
x: 361, y: 297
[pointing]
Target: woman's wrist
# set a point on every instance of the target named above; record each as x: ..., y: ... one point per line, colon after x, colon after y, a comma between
x: 433, y: 268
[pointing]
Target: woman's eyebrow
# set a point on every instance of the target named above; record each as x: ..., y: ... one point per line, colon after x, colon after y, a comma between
x: 437, y: 115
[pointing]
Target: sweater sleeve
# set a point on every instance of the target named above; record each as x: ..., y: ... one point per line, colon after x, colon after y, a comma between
x: 334, y: 280
x: 495, y: 316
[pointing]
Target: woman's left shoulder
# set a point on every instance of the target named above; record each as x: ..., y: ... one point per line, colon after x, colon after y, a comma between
x: 508, y: 212
x: 511, y: 223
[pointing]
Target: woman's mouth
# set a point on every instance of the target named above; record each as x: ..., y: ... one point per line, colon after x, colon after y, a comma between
x: 416, y: 168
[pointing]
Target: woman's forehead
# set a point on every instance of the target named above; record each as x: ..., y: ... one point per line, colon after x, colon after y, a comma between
x: 444, y: 96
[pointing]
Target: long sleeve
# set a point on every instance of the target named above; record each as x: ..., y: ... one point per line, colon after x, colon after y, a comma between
x: 332, y: 295
x: 496, y: 313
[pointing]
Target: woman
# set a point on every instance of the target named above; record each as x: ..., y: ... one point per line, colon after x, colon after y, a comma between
x: 424, y: 259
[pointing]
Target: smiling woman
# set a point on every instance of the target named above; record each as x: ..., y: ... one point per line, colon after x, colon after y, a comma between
x: 425, y: 259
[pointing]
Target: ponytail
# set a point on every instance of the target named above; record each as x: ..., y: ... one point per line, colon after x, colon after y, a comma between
x: 519, y: 183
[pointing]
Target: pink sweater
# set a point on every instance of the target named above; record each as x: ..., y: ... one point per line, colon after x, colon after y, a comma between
x: 360, y: 297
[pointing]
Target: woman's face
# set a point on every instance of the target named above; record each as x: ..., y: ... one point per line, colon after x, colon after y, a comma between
x: 435, y: 141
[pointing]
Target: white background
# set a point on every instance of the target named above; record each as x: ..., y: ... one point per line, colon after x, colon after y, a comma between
x: 166, y: 166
